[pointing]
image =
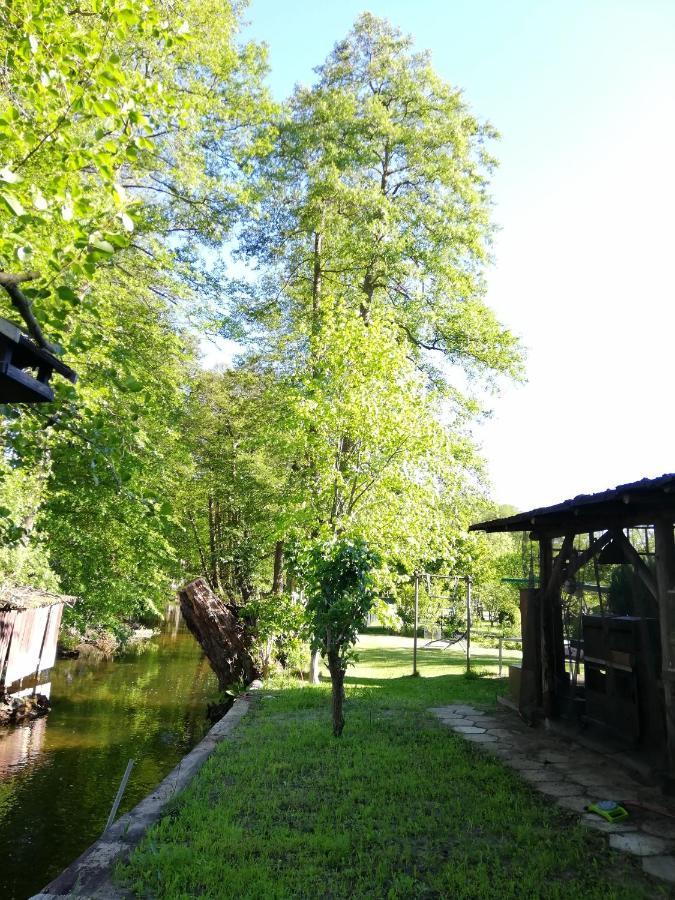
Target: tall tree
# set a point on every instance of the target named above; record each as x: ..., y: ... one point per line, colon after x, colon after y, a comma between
x: 124, y: 133
x: 371, y: 239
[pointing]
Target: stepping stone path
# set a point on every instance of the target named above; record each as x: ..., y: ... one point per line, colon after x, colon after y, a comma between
x: 573, y: 776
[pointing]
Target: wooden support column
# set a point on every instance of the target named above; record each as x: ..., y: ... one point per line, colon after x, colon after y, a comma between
x: 548, y: 666
x: 665, y: 583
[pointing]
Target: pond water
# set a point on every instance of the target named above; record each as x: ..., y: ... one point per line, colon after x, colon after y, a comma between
x: 59, y: 774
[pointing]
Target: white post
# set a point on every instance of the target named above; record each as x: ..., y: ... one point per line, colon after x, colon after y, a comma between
x: 417, y: 613
x: 468, y: 623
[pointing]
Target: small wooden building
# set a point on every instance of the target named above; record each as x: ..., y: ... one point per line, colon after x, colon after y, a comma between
x: 26, y: 369
x: 628, y: 660
x: 29, y: 630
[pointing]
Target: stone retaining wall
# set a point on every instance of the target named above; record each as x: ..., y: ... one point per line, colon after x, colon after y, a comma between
x: 91, y: 874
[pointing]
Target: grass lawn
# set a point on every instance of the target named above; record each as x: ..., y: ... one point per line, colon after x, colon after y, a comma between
x: 398, y: 807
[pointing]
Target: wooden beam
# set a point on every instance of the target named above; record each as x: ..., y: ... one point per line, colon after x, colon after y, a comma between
x: 558, y: 570
x: 548, y: 572
x: 587, y: 555
x: 635, y: 560
x: 665, y: 579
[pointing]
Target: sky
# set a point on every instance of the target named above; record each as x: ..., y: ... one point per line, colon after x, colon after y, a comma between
x: 583, y: 95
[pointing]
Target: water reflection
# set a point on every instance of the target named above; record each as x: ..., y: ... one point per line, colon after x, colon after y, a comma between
x: 59, y: 774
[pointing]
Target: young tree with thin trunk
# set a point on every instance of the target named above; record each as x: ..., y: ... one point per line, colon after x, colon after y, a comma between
x: 341, y: 594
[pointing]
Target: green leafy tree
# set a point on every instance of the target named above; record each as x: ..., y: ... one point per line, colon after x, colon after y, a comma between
x: 124, y: 134
x: 341, y: 593
x: 115, y: 122
x: 370, y: 237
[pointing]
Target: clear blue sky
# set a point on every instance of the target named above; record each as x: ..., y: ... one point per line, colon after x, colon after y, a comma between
x: 583, y: 93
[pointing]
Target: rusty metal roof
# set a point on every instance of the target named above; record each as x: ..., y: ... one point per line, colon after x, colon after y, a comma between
x: 18, y: 597
x: 635, y: 503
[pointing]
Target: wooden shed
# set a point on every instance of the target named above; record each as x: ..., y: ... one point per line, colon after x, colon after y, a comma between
x: 628, y: 659
x: 29, y: 628
x: 26, y: 369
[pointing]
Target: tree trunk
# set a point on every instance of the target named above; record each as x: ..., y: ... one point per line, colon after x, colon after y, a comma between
x: 220, y: 633
x: 212, y: 544
x: 314, y: 661
x: 337, y: 677
x: 278, y: 577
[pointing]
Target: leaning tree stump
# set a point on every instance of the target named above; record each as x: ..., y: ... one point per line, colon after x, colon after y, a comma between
x: 220, y: 633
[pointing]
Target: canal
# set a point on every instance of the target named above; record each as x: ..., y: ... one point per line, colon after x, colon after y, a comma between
x: 59, y: 774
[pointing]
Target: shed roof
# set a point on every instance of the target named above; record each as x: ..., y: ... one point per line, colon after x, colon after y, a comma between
x: 636, y: 503
x: 29, y: 354
x: 18, y: 597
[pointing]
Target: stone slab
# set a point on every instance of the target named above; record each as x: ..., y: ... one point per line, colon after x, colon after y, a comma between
x: 501, y: 732
x: 539, y: 776
x: 659, y: 828
x: 660, y: 867
x: 468, y: 729
x: 90, y: 874
x: 558, y: 788
x: 480, y: 738
x: 639, y: 844
x: 576, y: 802
x: 517, y: 761
x: 600, y: 824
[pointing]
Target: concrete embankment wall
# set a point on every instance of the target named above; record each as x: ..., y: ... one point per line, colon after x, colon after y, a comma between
x: 91, y: 874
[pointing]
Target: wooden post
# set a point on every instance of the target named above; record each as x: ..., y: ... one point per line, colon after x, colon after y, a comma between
x: 468, y: 623
x: 546, y: 635
x: 665, y: 581
x: 417, y: 613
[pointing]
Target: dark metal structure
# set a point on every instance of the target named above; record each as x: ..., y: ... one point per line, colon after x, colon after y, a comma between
x: 629, y: 660
x: 26, y: 369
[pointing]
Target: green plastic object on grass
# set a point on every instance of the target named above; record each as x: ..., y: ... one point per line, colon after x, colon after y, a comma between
x: 609, y: 810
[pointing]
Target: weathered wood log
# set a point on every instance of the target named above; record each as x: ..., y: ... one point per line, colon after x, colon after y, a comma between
x: 220, y: 633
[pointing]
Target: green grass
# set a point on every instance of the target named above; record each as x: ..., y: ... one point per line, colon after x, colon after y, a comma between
x: 399, y: 807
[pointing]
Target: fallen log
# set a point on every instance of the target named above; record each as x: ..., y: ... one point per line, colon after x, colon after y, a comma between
x: 220, y: 633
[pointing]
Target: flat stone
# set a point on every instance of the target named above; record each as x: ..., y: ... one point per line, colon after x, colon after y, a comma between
x: 500, y: 732
x: 504, y: 751
x: 598, y: 777
x: 558, y: 788
x: 480, y: 738
x: 539, y: 776
x: 468, y: 729
x: 517, y: 761
x: 600, y: 824
x: 638, y: 844
x: 455, y: 720
x: 576, y: 802
x: 659, y: 828
x: 552, y: 756
x: 464, y: 710
x: 660, y: 867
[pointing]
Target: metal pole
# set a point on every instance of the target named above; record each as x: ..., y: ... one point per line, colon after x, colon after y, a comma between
x: 468, y: 623
x: 118, y: 797
x: 417, y: 611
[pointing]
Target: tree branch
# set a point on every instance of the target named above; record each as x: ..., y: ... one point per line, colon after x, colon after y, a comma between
x: 23, y: 306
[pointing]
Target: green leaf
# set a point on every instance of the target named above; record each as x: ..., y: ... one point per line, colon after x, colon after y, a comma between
x: 132, y: 384
x: 68, y: 294
x: 103, y: 246
x: 127, y: 222
x: 13, y: 203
